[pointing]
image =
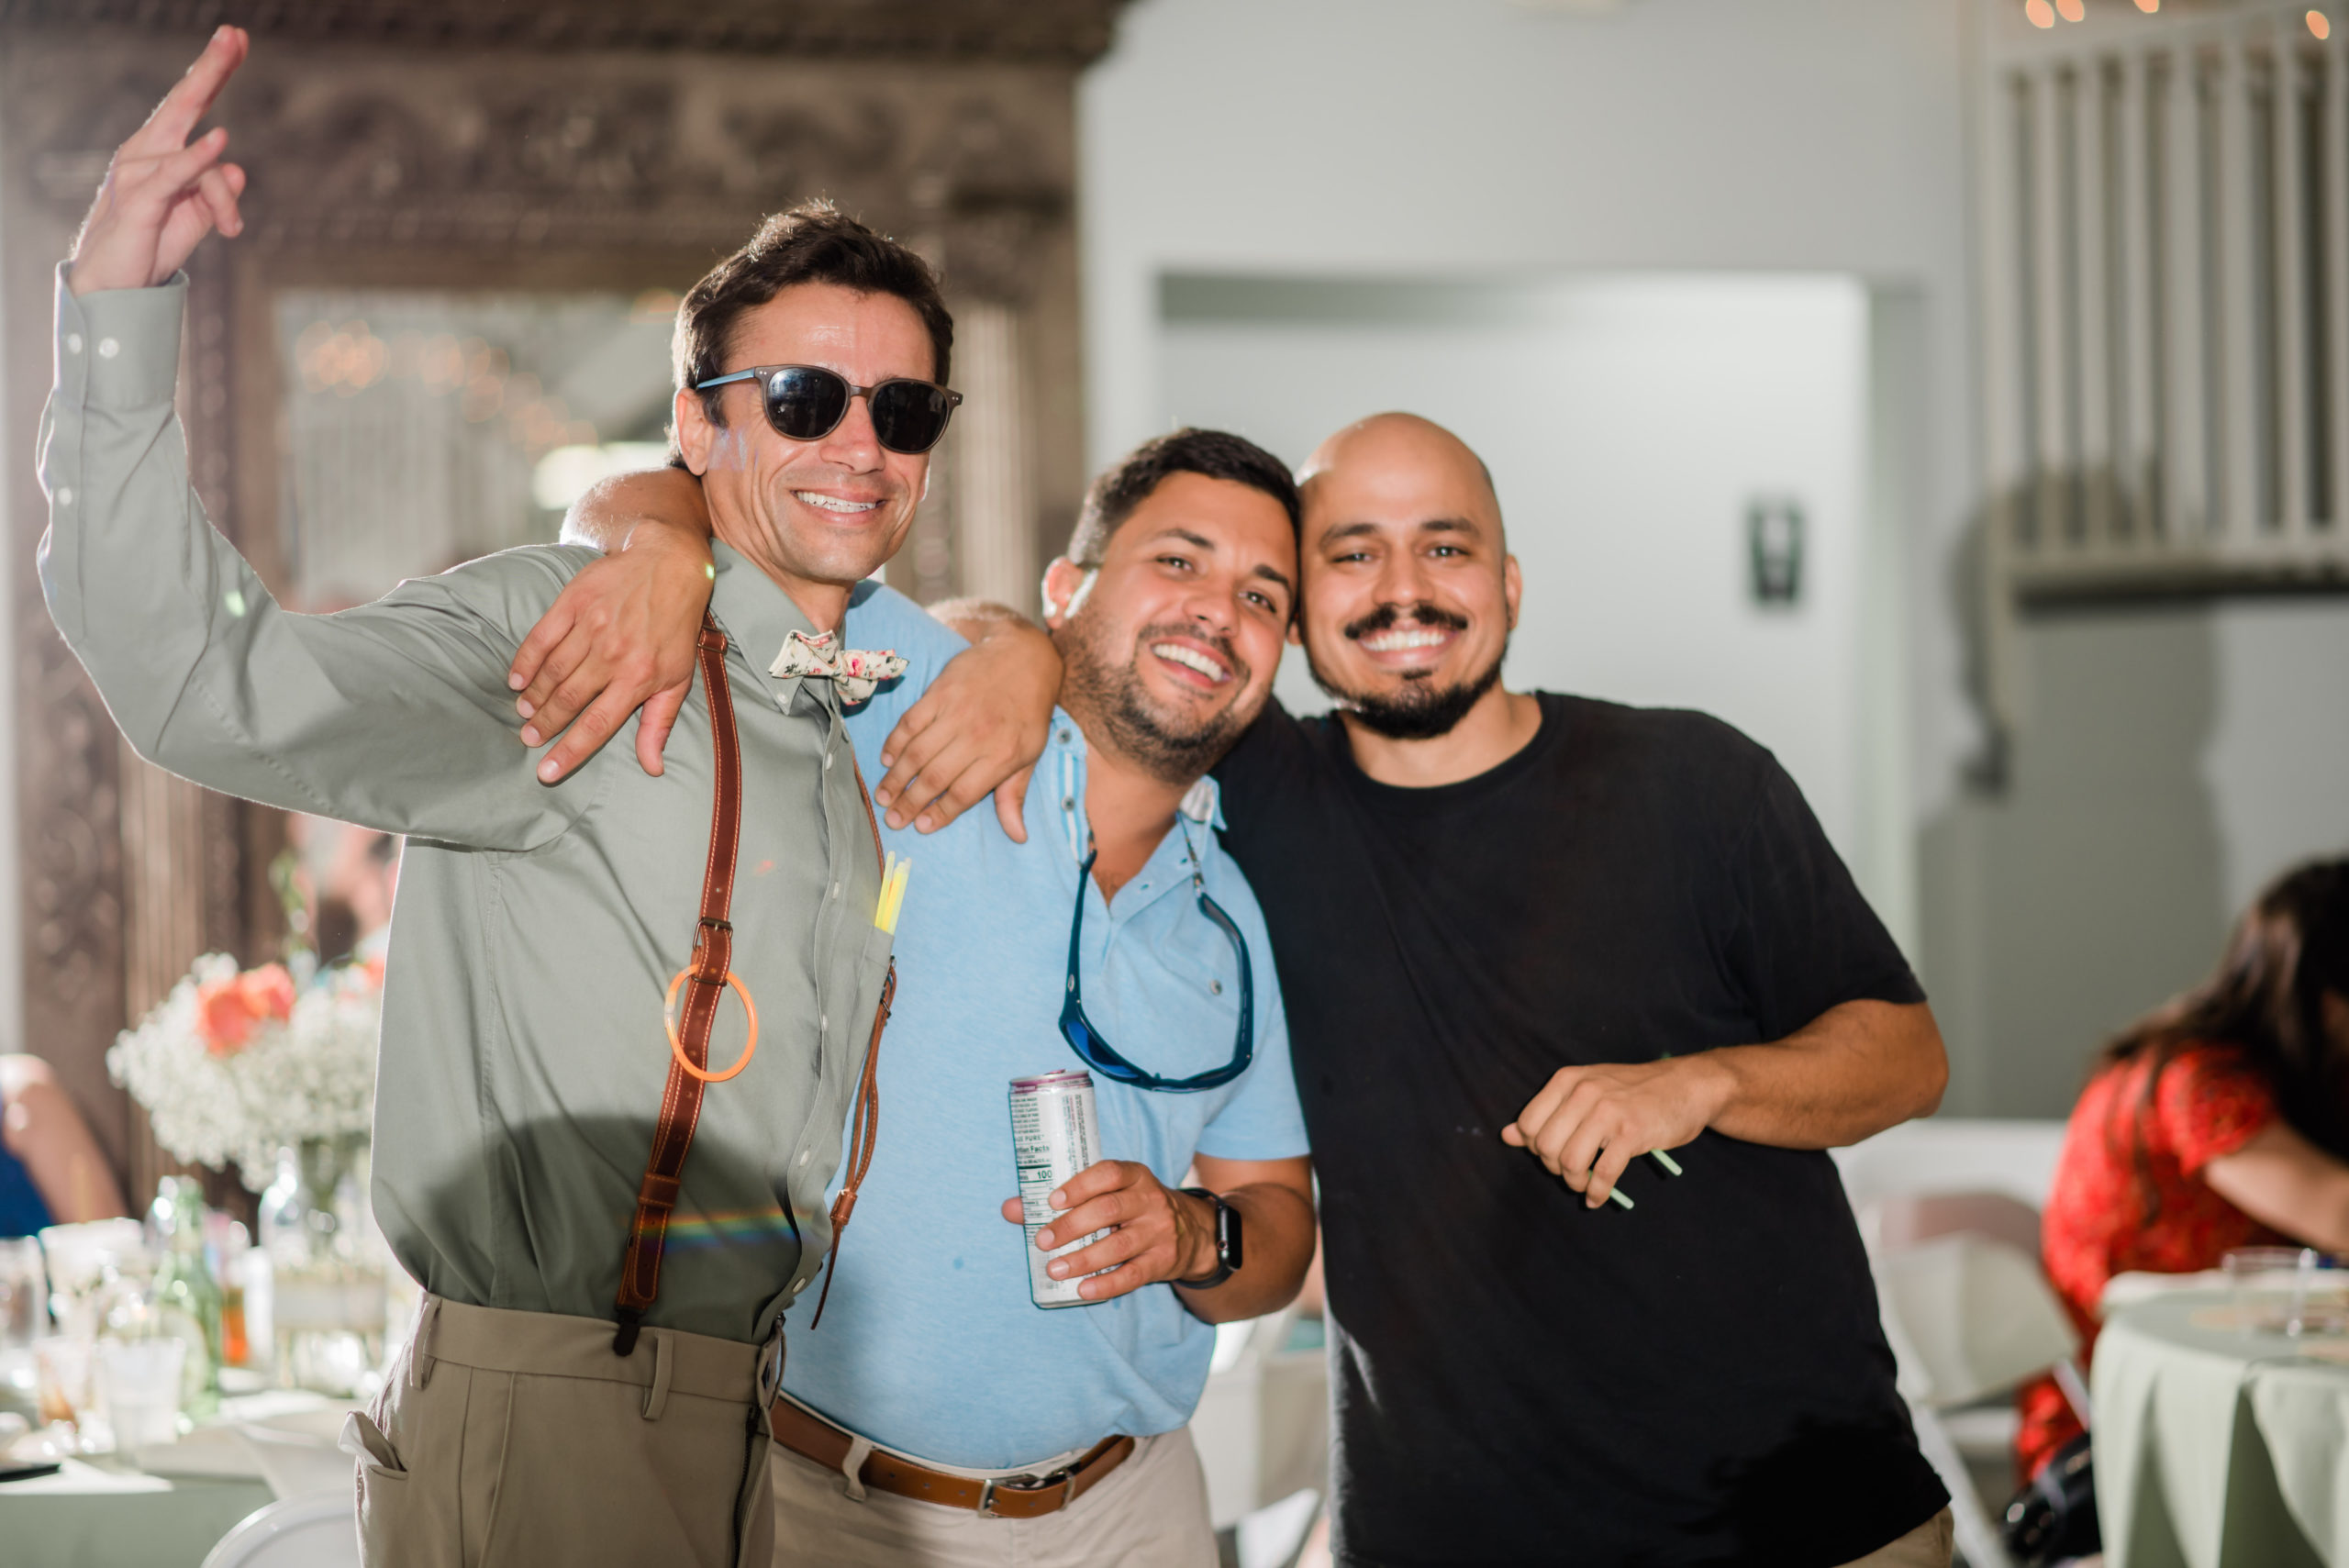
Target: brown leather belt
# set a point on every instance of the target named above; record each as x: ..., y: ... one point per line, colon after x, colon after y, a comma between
x: 811, y: 1436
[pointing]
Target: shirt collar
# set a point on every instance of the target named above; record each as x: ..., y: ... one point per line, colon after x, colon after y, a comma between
x: 1056, y: 815
x: 756, y: 616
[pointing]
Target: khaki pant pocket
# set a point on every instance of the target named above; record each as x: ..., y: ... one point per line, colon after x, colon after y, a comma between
x: 397, y: 1525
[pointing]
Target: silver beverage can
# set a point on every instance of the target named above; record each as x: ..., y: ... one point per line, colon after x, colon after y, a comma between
x: 1053, y: 1136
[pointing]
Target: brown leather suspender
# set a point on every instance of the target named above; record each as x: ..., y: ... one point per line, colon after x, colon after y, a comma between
x: 681, y: 1096
x: 865, y: 1116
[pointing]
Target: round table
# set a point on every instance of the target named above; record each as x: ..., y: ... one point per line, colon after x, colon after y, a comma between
x: 2217, y: 1448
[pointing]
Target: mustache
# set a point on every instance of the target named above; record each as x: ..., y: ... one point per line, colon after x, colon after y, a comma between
x: 1385, y: 616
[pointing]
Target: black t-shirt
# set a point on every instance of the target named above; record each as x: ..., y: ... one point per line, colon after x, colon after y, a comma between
x: 1517, y: 1378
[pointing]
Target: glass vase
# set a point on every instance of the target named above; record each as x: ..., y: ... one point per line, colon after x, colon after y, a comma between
x: 326, y: 1280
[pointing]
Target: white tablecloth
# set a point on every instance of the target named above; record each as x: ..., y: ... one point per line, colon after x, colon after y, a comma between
x: 111, y: 1514
x: 2218, y: 1449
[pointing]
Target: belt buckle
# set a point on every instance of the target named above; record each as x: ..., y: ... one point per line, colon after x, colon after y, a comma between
x: 1065, y: 1479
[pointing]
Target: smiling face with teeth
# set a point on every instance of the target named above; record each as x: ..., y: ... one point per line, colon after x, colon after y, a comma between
x: 1410, y: 593
x: 817, y: 516
x: 1172, y: 641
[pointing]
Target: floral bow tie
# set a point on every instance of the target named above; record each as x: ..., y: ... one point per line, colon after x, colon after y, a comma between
x: 854, y: 672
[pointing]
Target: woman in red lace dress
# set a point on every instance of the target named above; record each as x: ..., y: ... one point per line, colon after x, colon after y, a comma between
x: 2220, y: 1120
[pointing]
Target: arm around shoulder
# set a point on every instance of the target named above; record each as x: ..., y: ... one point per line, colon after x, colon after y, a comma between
x: 980, y: 725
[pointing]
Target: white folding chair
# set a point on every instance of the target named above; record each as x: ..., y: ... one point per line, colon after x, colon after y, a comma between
x: 319, y: 1530
x: 1970, y: 1316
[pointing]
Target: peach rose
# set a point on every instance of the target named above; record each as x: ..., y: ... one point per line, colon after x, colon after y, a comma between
x: 226, y: 1010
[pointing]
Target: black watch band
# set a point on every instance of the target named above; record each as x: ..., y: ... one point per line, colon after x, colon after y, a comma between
x: 1227, y: 1243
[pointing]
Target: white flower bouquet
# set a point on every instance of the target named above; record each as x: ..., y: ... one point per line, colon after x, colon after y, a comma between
x: 237, y: 1065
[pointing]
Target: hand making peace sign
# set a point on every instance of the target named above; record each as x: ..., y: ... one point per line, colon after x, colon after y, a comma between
x: 163, y: 193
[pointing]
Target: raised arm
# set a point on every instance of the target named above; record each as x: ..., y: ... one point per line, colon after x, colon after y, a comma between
x: 621, y: 636
x: 390, y: 714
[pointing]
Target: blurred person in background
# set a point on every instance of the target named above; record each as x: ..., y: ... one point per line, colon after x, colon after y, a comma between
x: 51, y: 1170
x: 2218, y: 1120
x: 345, y: 879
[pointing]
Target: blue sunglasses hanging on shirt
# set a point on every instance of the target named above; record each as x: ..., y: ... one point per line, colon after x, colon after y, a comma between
x: 1097, y: 1053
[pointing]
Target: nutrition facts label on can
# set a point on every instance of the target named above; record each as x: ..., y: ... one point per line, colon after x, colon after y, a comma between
x: 1052, y: 1138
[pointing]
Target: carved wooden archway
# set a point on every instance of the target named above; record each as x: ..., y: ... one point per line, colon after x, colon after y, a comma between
x: 619, y: 144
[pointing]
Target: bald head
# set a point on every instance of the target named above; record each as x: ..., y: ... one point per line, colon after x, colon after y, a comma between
x: 1409, y: 592
x: 1396, y: 454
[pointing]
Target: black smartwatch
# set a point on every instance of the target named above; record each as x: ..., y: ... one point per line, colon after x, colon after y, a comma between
x: 1227, y: 1243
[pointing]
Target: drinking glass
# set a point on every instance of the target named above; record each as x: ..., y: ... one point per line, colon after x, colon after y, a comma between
x: 138, y: 1390
x: 2288, y: 1290
x: 24, y: 1315
x: 80, y: 1257
x: 62, y: 1364
x: 2319, y: 1294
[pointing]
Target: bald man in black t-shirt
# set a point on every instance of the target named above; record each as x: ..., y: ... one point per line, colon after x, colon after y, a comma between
x: 1523, y: 940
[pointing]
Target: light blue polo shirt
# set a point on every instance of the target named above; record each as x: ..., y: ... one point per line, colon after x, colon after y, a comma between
x: 929, y: 1344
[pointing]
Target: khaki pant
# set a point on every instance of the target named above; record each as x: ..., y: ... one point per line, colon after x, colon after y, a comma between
x: 1927, y: 1546
x: 1151, y: 1512
x: 518, y: 1439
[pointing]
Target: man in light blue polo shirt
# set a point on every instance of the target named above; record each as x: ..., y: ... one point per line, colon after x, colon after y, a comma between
x: 938, y: 1415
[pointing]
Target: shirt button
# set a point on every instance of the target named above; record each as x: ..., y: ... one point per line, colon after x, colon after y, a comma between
x: 836, y: 890
x: 803, y: 1155
x: 1068, y: 803
x: 1215, y: 987
x: 73, y: 342
x: 828, y: 760
x: 823, y: 1022
x: 108, y: 347
x: 1063, y: 736
x: 65, y: 495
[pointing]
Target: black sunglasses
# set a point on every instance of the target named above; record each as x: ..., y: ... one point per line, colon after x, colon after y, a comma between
x: 807, y: 403
x: 1096, y: 1053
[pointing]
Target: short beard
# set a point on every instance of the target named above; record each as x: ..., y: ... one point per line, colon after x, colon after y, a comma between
x: 1420, y: 711
x: 1098, y: 692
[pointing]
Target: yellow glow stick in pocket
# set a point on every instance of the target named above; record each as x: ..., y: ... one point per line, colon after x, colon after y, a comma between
x: 893, y: 892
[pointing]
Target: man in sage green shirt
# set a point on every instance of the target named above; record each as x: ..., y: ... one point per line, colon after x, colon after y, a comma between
x: 539, y: 925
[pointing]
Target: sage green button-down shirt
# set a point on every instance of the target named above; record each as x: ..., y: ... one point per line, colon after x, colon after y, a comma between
x: 537, y: 926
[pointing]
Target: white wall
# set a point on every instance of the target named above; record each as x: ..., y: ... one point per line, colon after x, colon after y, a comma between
x: 1450, y: 138
x: 2175, y: 757
x: 1627, y: 422
x: 2278, y: 757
